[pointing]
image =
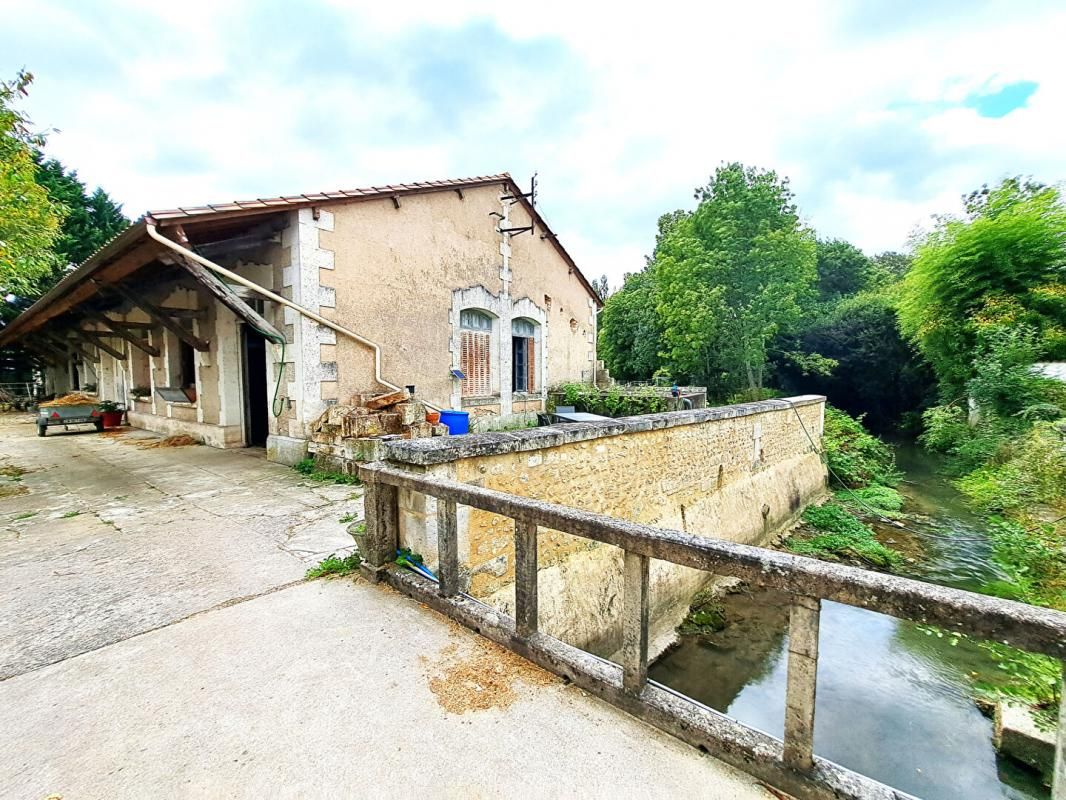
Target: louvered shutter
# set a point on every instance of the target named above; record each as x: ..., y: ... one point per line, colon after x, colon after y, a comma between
x: 475, y: 364
x: 531, y: 365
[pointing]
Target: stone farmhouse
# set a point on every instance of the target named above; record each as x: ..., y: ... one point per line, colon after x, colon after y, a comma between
x: 457, y: 287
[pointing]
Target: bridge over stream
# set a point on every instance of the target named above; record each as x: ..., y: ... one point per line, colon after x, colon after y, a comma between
x: 157, y: 638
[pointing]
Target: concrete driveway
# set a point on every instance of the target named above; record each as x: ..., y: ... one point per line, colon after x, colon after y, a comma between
x: 101, y: 539
x: 156, y: 640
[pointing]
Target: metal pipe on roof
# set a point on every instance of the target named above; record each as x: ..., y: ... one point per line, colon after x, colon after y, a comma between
x: 277, y: 298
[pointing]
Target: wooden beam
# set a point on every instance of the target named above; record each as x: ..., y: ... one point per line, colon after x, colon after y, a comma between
x: 67, y: 346
x: 44, y: 346
x: 119, y: 330
x: 160, y: 316
x: 224, y: 293
x: 41, y: 353
x: 183, y: 313
x: 115, y: 324
x: 97, y: 340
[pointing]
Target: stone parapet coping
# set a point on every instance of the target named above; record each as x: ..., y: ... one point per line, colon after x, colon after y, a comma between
x: 443, y: 449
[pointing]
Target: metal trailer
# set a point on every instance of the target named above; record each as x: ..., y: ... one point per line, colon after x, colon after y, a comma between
x: 66, y: 416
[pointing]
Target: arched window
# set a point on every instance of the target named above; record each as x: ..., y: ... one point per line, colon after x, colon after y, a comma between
x: 523, y: 355
x: 475, y: 355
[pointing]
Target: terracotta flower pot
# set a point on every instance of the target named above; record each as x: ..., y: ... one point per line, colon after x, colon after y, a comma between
x: 433, y: 417
x: 112, y: 419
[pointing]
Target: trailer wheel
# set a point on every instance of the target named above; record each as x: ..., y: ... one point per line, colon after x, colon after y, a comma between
x: 99, y: 426
x: 41, y: 430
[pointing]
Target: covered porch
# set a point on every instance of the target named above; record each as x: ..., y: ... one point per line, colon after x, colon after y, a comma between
x: 182, y: 350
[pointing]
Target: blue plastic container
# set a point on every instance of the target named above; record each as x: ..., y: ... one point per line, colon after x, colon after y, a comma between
x: 458, y: 422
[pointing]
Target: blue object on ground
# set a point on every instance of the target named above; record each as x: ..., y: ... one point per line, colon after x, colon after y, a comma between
x: 458, y: 422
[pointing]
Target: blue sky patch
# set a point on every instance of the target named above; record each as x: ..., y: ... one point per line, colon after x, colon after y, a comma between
x: 1000, y: 103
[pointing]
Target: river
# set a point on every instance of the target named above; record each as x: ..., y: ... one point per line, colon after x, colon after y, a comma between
x: 893, y: 702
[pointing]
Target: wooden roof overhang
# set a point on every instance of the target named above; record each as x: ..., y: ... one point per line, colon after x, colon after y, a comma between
x: 134, y: 271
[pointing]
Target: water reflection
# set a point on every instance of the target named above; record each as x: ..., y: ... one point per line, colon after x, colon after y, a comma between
x: 894, y: 702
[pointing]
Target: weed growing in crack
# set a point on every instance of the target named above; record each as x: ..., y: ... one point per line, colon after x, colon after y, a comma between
x: 333, y: 565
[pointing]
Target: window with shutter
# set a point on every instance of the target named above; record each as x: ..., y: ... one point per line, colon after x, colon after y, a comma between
x: 475, y: 363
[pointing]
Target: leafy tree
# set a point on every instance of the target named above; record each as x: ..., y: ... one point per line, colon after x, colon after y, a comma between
x: 602, y: 287
x: 91, y: 219
x: 843, y: 269
x: 731, y: 276
x: 29, y: 219
x: 630, y: 336
x: 1003, y: 264
x: 875, y: 370
x: 891, y: 265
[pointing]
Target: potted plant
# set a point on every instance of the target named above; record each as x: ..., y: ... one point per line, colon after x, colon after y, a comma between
x: 112, y: 413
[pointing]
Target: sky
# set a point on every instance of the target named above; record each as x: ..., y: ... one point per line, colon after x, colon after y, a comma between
x: 880, y: 112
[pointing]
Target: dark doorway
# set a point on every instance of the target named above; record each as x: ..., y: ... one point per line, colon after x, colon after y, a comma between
x: 253, y: 349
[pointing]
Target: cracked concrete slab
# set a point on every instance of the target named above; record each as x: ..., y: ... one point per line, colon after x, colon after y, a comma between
x: 110, y: 540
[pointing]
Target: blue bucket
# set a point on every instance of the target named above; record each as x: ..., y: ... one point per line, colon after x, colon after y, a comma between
x: 458, y: 422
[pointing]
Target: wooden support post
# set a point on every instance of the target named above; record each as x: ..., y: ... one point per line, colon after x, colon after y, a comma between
x: 382, y: 525
x: 93, y: 338
x: 525, y: 578
x: 161, y: 317
x: 802, y: 682
x: 635, y: 623
x: 1058, y: 781
x: 121, y: 330
x: 447, y: 548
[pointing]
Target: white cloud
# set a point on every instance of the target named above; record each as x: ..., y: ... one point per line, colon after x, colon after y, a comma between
x: 623, y: 113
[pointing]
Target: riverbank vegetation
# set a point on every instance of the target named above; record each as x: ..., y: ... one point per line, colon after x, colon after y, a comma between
x: 862, y: 469
x: 986, y: 303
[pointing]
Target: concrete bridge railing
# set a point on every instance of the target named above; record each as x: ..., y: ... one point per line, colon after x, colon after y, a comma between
x: 791, y: 764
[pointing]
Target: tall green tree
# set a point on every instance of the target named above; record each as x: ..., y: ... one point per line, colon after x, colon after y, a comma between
x: 843, y: 269
x: 731, y: 276
x: 29, y: 218
x: 630, y: 328
x: 1005, y: 263
x: 91, y: 219
x: 630, y: 331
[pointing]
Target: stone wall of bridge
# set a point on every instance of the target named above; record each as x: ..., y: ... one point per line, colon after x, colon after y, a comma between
x: 741, y: 472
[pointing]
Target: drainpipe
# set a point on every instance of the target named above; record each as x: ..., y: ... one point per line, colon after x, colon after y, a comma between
x: 277, y: 298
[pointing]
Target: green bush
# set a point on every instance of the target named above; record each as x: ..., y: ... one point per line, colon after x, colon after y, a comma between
x: 840, y: 536
x: 879, y: 498
x: 614, y: 402
x: 855, y: 457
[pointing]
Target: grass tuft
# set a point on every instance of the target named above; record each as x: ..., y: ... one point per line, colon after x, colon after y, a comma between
x: 334, y: 565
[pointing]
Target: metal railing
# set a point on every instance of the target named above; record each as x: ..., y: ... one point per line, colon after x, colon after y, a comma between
x: 791, y: 764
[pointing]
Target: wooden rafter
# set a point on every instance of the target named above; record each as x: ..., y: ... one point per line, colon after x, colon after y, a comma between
x: 162, y: 318
x: 225, y: 295
x: 119, y: 329
x: 95, y: 338
x: 66, y: 345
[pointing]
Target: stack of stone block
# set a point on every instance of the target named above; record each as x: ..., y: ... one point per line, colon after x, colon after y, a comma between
x: 355, y: 431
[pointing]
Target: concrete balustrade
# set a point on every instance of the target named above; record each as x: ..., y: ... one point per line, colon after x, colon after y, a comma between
x: 791, y: 764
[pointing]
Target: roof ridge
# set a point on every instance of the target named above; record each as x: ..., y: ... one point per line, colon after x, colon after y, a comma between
x: 322, y: 196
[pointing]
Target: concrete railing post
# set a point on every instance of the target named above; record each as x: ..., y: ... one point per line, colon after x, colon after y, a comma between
x: 635, y: 623
x: 382, y: 525
x: 447, y: 548
x: 1058, y: 782
x: 525, y: 578
x: 802, y: 682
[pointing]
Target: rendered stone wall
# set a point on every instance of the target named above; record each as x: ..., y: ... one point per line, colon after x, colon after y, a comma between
x: 735, y: 472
